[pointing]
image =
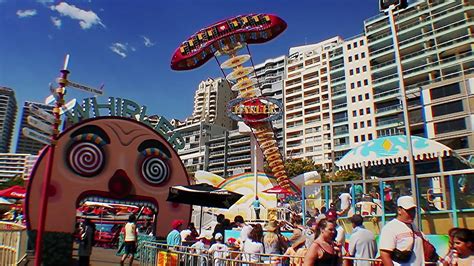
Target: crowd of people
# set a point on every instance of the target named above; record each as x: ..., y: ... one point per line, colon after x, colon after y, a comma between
x: 321, y: 241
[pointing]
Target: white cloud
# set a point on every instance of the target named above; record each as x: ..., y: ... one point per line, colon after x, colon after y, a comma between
x: 56, y: 22
x: 147, y: 42
x: 86, y: 19
x: 26, y: 13
x: 120, y: 49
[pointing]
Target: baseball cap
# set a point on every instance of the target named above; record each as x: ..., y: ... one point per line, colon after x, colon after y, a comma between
x: 218, y: 236
x: 176, y: 223
x: 406, y: 202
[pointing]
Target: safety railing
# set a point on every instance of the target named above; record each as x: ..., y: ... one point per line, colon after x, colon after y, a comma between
x: 12, y: 243
x: 160, y: 254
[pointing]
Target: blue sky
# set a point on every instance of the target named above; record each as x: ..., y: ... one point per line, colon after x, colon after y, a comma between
x: 128, y: 44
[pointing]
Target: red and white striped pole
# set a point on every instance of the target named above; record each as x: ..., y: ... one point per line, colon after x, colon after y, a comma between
x: 49, y: 166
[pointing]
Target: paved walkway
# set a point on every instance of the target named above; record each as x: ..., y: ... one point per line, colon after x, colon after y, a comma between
x: 105, y: 257
x: 100, y: 257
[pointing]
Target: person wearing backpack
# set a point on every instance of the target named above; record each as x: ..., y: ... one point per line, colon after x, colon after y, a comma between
x: 401, y: 243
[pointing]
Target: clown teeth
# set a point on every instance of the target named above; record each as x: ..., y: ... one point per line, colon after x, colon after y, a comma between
x: 136, y: 203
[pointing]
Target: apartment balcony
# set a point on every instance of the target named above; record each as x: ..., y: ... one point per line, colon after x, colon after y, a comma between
x: 340, y: 120
x: 389, y: 109
x: 238, y: 150
x: 216, y: 153
x: 220, y: 144
x: 239, y: 141
x: 386, y: 95
x: 393, y: 122
x: 385, y: 79
x: 338, y: 81
x: 239, y: 158
x: 339, y: 106
x: 341, y: 132
x: 216, y: 161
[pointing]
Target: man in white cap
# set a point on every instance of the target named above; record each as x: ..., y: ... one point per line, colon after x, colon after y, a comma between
x: 401, y: 242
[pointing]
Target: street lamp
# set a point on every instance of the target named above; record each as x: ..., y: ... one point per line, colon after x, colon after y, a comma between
x: 387, y: 6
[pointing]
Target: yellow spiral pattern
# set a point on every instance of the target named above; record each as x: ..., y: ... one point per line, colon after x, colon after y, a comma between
x: 263, y: 132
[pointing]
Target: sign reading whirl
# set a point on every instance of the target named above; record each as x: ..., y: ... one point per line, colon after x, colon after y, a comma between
x: 255, y: 110
x: 90, y: 108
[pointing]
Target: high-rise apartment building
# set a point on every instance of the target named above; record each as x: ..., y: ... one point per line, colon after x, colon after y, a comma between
x: 233, y: 153
x: 352, y: 106
x: 307, y: 100
x: 8, y: 110
x: 14, y: 164
x: 435, y: 40
x: 26, y: 145
x: 210, y: 102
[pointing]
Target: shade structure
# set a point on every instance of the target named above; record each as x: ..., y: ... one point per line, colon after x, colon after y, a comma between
x: 15, y: 192
x: 203, y: 195
x: 391, y: 150
x: 278, y: 190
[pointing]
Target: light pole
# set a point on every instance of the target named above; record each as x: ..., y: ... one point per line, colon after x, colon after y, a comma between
x: 411, y: 161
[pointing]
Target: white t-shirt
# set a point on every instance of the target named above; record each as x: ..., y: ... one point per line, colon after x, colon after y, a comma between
x: 345, y: 201
x: 218, y: 251
x: 341, y: 237
x: 397, y: 235
x: 184, y: 234
x: 252, y: 249
x: 244, y: 234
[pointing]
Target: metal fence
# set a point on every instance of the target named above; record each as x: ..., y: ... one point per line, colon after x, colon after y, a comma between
x: 159, y: 254
x: 12, y: 243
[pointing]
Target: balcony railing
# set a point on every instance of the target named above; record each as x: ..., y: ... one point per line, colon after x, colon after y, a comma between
x: 388, y: 108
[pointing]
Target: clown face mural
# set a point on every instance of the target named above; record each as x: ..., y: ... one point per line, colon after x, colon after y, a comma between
x: 110, y: 160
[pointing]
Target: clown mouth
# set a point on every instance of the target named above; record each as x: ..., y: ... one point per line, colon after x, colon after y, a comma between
x: 101, y: 198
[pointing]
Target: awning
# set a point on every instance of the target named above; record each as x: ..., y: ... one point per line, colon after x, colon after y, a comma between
x: 390, y: 150
x: 203, y: 195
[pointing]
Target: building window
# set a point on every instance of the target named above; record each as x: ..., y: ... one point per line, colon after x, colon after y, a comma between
x: 350, y: 58
x: 369, y: 123
x: 367, y: 110
x: 356, y: 57
x: 367, y: 96
x: 456, y: 143
x: 445, y: 91
x: 447, y: 108
x: 362, y: 124
x: 450, y: 126
x: 361, y: 42
x: 357, y: 70
x: 354, y: 113
x: 353, y: 99
x: 351, y: 72
x: 362, y: 55
x: 355, y: 125
x: 364, y: 68
x: 355, y: 44
x: 366, y: 82
x: 356, y: 139
x: 352, y: 85
x: 349, y: 46
x: 361, y: 111
x: 370, y: 136
x: 359, y: 84
x: 360, y: 97
x: 362, y: 138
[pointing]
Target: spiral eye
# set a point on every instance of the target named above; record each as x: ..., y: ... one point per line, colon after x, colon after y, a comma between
x: 154, y: 170
x: 86, y: 158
